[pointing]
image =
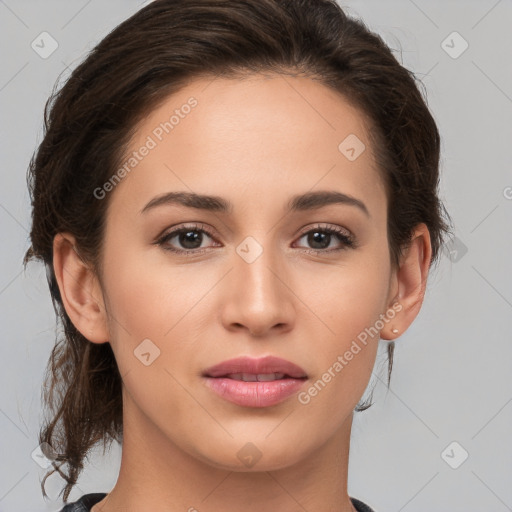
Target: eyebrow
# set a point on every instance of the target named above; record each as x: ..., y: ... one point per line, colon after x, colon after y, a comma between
x: 301, y: 202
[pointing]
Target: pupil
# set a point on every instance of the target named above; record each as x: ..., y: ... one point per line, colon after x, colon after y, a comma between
x: 316, y: 238
x: 190, y: 237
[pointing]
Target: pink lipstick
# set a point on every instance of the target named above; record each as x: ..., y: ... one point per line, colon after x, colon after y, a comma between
x: 250, y: 382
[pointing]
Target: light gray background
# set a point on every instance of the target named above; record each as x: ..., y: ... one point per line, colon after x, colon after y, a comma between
x: 451, y: 379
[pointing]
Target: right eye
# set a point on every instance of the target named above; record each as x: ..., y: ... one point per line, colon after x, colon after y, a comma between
x: 190, y: 238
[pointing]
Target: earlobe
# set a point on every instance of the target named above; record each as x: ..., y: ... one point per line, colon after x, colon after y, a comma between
x: 411, y: 282
x: 79, y: 289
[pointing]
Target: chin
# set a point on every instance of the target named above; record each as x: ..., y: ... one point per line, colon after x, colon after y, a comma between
x: 247, y: 456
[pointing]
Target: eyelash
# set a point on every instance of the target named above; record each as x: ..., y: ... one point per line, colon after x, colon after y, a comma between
x: 348, y: 242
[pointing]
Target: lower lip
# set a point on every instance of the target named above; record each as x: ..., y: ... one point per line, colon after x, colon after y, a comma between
x: 254, y: 394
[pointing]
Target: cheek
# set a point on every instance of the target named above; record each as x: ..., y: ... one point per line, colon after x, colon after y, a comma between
x: 148, y: 309
x: 156, y: 302
x: 345, y: 354
x: 148, y: 298
x: 349, y: 300
x: 349, y: 297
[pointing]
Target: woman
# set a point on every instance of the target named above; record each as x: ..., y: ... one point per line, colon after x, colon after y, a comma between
x: 235, y: 201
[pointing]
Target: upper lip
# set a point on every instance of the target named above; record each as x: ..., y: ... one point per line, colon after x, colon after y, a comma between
x: 269, y: 364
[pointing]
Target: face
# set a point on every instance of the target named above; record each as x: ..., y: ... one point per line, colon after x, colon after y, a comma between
x: 255, y: 272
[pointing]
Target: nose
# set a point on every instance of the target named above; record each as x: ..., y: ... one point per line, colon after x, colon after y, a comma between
x: 257, y: 297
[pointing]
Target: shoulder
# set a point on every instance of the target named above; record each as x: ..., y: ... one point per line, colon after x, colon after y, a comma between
x: 85, y: 503
x: 360, y: 506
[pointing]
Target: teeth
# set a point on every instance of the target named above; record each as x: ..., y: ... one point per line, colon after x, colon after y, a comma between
x: 263, y: 377
x: 251, y: 377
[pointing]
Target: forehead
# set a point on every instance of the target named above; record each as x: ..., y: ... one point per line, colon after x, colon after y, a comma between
x: 257, y: 133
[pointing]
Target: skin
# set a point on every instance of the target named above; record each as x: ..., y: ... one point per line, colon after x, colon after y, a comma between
x: 255, y: 142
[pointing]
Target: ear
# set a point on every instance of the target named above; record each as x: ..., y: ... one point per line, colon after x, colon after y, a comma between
x: 408, y: 284
x: 80, y: 290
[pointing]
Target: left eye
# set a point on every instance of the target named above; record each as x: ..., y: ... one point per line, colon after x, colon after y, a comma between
x: 320, y: 239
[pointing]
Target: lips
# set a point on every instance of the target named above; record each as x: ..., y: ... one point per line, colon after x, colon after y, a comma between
x: 249, y: 382
x: 251, y: 370
x: 261, y: 377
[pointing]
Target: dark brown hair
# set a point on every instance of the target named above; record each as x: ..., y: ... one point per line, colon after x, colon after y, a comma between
x: 90, y: 120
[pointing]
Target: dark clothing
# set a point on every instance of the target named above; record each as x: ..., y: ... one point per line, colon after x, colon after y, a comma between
x: 360, y: 506
x: 85, y: 503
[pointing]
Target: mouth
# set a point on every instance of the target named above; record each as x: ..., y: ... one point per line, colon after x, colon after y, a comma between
x: 260, y: 377
x: 255, y: 382
x: 261, y: 369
